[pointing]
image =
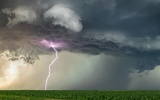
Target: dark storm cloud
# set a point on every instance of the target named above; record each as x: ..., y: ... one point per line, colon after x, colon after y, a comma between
x: 127, y: 28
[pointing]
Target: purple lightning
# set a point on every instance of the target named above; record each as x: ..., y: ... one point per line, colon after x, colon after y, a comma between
x: 49, y: 73
x: 53, y: 45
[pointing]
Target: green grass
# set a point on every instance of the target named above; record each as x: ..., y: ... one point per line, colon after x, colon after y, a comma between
x: 79, y: 95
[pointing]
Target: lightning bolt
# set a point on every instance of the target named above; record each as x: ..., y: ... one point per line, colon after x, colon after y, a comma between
x: 50, y: 65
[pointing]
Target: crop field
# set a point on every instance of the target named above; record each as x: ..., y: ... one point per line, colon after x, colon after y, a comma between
x: 79, y: 95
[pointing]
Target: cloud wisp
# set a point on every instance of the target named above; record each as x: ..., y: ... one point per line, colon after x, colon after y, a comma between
x: 21, y: 15
x: 64, y: 17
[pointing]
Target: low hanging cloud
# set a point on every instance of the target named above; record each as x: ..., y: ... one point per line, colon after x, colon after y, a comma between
x: 65, y: 17
x: 141, y: 43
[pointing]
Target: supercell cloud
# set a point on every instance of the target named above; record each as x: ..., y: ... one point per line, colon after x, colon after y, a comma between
x: 123, y: 28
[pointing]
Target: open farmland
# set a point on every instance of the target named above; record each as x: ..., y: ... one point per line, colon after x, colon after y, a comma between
x: 79, y: 95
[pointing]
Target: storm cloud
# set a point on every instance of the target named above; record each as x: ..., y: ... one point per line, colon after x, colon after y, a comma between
x: 123, y: 28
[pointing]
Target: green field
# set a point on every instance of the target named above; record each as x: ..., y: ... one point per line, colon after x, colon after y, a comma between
x: 79, y: 95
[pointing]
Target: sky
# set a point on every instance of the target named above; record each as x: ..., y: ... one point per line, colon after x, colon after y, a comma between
x: 101, y: 44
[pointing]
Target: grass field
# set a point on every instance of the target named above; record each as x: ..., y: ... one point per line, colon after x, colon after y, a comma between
x: 79, y: 95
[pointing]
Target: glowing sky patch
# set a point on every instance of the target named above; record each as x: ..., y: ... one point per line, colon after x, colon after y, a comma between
x: 49, y: 44
x: 11, y: 73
